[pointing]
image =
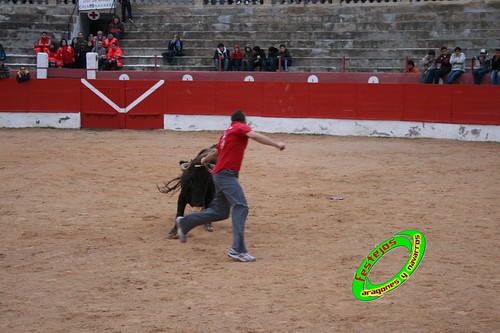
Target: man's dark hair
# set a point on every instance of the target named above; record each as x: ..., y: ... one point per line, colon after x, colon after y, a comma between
x: 238, y: 115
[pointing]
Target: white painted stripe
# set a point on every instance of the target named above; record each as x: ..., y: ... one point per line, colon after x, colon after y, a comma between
x: 340, y: 127
x: 144, y: 95
x: 103, y: 97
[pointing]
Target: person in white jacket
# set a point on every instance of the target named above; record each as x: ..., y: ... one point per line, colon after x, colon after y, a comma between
x: 457, y: 62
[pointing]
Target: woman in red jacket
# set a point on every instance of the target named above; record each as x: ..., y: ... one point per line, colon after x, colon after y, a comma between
x: 67, y: 54
x: 55, y: 59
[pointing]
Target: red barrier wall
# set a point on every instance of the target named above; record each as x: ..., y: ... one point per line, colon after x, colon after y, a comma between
x: 460, y: 104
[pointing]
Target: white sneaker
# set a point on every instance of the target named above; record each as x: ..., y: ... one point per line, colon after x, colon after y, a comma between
x: 243, y: 256
x: 182, y: 236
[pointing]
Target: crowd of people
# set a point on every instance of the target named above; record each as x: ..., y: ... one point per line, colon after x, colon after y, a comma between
x: 452, y: 65
x: 74, y: 54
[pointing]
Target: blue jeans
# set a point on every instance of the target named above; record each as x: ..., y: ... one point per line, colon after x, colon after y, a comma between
x: 228, y: 194
x: 478, y: 75
x: 427, y: 76
x: 495, y: 77
x: 454, y: 75
x: 225, y: 65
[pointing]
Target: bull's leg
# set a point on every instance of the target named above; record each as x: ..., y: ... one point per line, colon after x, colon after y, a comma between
x: 173, y: 233
x: 209, y: 227
x: 181, y: 207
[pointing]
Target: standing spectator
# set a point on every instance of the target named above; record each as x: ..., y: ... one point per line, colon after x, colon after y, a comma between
x: 229, y: 196
x: 286, y: 57
x: 221, y: 58
x: 23, y: 75
x: 3, y: 56
x: 259, y: 58
x: 429, y: 67
x: 247, y: 62
x: 76, y: 47
x: 101, y: 54
x: 236, y: 57
x: 110, y: 40
x: 442, y: 64
x: 174, y: 48
x: 457, y: 62
x: 4, y: 71
x: 481, y: 66
x: 42, y: 44
x: 272, y: 57
x: 116, y: 27
x: 411, y: 68
x: 126, y: 5
x: 114, y: 58
x: 55, y: 58
x: 67, y: 54
x: 495, y: 68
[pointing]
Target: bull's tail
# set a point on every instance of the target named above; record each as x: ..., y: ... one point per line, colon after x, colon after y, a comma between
x: 170, y: 187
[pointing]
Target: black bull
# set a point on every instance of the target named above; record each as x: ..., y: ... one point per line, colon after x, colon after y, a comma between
x: 196, y: 185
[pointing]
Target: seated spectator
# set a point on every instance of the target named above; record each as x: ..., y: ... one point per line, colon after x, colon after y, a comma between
x: 23, y: 75
x: 221, y: 58
x: 481, y: 66
x: 411, y: 68
x: 101, y: 54
x: 457, y: 62
x: 174, y: 49
x: 259, y: 59
x: 272, y: 57
x: 4, y: 71
x: 42, y: 45
x: 116, y: 27
x: 286, y: 57
x: 67, y: 54
x: 495, y: 68
x: 110, y: 40
x: 247, y: 61
x: 99, y: 37
x: 3, y: 56
x: 114, y: 58
x: 443, y: 66
x: 236, y: 57
x: 55, y: 58
x: 429, y: 67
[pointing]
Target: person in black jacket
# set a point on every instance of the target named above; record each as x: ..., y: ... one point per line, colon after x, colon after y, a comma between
x: 260, y: 59
x: 221, y: 58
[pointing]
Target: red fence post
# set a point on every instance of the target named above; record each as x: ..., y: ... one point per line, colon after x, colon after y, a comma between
x: 220, y: 63
x: 343, y: 63
x: 279, y: 63
x: 156, y: 62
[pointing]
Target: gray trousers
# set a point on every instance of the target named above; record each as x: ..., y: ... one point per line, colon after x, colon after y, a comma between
x: 228, y: 194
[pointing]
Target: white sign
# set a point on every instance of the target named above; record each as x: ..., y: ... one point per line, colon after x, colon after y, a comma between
x: 96, y: 4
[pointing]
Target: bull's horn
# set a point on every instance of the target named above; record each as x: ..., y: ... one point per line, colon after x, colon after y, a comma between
x: 185, y: 166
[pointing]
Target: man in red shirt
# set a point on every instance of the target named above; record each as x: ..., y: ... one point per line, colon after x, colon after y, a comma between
x: 228, y: 191
x: 42, y: 45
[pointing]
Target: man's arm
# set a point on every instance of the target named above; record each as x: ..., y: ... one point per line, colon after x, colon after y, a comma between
x: 210, y: 156
x: 261, y: 138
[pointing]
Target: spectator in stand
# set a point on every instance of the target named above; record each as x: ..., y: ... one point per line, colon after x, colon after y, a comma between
x: 495, y: 68
x: 481, y: 66
x: 110, y: 40
x: 4, y: 71
x: 286, y: 57
x: 55, y: 58
x: 101, y: 54
x: 126, y: 5
x: 221, y: 58
x: 410, y: 67
x: 457, y: 62
x: 272, y: 57
x: 42, y: 45
x: 236, y: 57
x: 67, y: 54
x: 99, y: 37
x: 23, y: 75
x: 114, y: 58
x: 174, y: 48
x: 3, y: 56
x: 443, y: 66
x: 259, y: 58
x: 116, y: 27
x: 247, y: 61
x: 429, y: 67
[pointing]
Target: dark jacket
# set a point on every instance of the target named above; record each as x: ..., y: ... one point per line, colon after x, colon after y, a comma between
x: 224, y: 54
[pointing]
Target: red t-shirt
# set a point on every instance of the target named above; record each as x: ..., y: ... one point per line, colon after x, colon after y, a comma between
x: 231, y: 147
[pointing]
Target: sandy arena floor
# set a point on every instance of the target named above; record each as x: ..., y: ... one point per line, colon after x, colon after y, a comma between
x: 83, y: 230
